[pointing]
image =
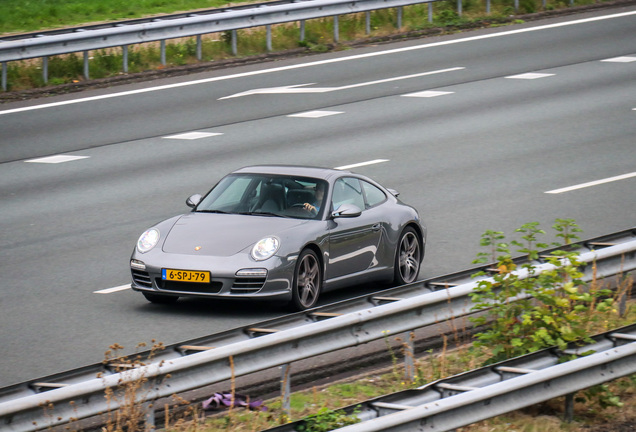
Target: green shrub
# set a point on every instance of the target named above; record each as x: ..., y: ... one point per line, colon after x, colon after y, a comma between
x: 547, y: 308
x: 326, y: 420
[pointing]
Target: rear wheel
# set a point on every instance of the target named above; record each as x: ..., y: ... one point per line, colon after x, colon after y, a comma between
x: 160, y: 299
x: 307, y: 281
x: 408, y: 257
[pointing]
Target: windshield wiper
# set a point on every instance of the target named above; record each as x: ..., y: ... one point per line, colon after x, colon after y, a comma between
x: 260, y: 213
x: 212, y: 211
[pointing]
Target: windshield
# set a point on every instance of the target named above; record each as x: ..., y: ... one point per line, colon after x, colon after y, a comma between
x: 266, y: 195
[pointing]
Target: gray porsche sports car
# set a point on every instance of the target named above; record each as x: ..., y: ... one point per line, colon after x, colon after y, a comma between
x: 280, y: 232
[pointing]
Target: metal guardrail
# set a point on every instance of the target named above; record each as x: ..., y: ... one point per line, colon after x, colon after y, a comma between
x: 258, y: 348
x: 257, y: 15
x: 497, y: 389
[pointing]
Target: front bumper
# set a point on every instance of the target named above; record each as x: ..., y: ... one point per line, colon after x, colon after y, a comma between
x: 231, y: 277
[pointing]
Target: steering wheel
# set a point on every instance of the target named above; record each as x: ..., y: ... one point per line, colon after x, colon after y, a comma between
x: 302, y: 206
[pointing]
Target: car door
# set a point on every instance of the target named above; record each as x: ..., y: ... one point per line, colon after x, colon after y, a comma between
x: 353, y: 241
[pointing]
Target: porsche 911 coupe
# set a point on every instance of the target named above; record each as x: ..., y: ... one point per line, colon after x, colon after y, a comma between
x: 280, y: 233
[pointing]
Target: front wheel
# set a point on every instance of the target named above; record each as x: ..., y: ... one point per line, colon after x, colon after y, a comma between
x: 307, y: 281
x: 408, y: 257
x: 160, y: 299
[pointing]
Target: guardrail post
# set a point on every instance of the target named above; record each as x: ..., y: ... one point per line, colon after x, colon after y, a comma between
x: 86, y: 70
x: 568, y: 415
x: 336, y: 29
x: 430, y: 13
x: 516, y: 6
x: 269, y: 37
x: 149, y: 410
x: 124, y: 54
x: 199, y: 48
x: 234, y: 43
x: 45, y: 69
x: 459, y: 7
x: 285, y: 388
x: 163, y: 52
x: 367, y: 22
x: 622, y: 304
x: 488, y: 7
x: 409, y: 357
x: 302, y: 30
x: 400, y: 11
x: 4, y: 76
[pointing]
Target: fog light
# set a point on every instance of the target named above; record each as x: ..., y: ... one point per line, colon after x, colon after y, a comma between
x: 255, y: 272
x: 137, y: 265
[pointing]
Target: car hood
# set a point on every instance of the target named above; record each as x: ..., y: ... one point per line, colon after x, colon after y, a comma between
x: 222, y: 234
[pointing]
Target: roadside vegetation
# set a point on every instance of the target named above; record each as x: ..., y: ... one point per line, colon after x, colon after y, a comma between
x: 23, y: 16
x: 561, y: 309
x: 32, y: 15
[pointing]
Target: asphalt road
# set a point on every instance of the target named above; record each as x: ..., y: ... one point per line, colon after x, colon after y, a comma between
x: 454, y: 123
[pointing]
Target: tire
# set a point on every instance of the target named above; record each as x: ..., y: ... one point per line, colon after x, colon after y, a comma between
x: 160, y: 299
x: 408, y: 257
x: 307, y: 281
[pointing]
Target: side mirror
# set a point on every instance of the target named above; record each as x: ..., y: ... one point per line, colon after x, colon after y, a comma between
x: 347, y: 211
x: 193, y: 200
x: 394, y: 192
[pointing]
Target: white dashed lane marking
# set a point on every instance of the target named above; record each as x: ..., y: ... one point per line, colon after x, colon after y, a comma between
x: 592, y: 183
x: 626, y: 59
x: 360, y: 164
x: 530, y: 76
x: 427, y: 94
x: 56, y: 159
x: 315, y: 114
x: 112, y: 290
x: 192, y: 135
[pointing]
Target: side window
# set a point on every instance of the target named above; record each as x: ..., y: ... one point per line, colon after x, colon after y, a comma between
x: 347, y: 191
x: 374, y: 195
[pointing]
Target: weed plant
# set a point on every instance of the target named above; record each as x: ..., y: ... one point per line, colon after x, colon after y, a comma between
x: 130, y: 416
x: 550, y: 308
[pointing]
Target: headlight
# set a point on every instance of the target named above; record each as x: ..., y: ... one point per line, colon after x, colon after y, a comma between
x: 265, y: 248
x: 148, y: 240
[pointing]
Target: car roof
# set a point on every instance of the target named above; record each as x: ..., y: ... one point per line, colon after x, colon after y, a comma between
x: 294, y: 170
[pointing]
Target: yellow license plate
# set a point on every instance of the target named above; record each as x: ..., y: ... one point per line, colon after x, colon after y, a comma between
x: 185, y: 275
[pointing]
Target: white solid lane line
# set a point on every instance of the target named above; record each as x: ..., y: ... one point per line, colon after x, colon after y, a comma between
x: 112, y: 290
x: 335, y: 60
x: 592, y: 183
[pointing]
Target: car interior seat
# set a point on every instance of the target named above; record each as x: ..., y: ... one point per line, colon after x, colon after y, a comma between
x: 272, y: 197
